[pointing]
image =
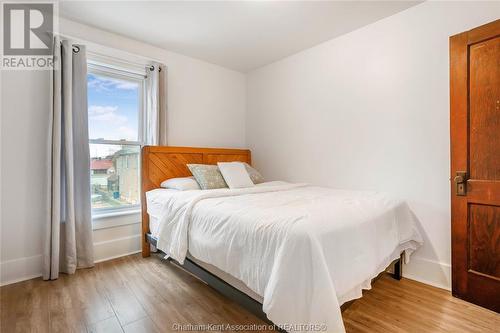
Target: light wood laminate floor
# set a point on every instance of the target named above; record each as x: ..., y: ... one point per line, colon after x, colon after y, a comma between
x: 133, y: 294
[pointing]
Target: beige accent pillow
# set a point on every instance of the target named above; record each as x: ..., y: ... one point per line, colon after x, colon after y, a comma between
x: 255, y: 176
x: 207, y: 176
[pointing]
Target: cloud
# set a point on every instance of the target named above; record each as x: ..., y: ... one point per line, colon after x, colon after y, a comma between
x: 127, y: 132
x: 126, y: 85
x: 102, y: 83
x: 106, y: 113
x: 101, y: 109
x: 106, y: 122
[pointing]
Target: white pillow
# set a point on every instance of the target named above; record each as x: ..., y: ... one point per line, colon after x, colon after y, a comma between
x: 181, y: 184
x: 235, y: 174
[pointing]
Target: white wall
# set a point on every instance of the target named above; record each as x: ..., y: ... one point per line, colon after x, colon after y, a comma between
x: 367, y: 110
x: 206, y: 107
x: 206, y: 102
x: 370, y: 110
x: 24, y: 123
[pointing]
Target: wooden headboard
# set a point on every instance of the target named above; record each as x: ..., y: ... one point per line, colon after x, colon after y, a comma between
x: 162, y: 163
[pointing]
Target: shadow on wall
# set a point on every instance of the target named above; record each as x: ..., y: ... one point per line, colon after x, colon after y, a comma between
x: 438, y: 273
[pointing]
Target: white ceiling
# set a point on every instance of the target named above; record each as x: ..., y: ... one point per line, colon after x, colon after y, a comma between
x: 241, y: 35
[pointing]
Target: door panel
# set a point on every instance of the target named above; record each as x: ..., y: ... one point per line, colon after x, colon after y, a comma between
x: 484, y: 238
x: 484, y: 110
x: 475, y: 158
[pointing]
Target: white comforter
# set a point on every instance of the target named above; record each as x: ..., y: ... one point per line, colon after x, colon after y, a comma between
x: 305, y: 249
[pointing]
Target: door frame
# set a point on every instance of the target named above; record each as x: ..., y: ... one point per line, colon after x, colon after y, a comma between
x: 459, y: 150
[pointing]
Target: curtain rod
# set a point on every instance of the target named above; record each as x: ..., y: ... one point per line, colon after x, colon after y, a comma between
x: 83, y: 41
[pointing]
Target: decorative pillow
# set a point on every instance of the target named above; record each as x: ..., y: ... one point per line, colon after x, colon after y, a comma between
x: 235, y: 174
x: 255, y: 176
x: 181, y: 184
x: 207, y: 176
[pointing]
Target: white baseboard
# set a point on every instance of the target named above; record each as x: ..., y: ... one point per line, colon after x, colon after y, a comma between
x: 26, y: 268
x: 428, y: 271
x: 20, y: 269
x: 118, y: 247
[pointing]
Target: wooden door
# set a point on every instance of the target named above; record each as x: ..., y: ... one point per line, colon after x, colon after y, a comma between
x: 475, y: 164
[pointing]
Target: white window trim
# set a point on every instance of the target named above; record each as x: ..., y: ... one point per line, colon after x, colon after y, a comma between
x: 111, y: 217
x: 117, y: 219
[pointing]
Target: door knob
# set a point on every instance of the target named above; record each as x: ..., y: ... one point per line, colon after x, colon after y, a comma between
x: 461, y: 182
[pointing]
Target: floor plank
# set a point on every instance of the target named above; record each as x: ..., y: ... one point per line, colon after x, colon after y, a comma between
x: 144, y: 325
x: 110, y: 325
x: 122, y: 299
x: 410, y: 306
x: 132, y: 294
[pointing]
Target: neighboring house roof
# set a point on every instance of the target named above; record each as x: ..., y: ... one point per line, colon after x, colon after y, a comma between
x: 100, y: 164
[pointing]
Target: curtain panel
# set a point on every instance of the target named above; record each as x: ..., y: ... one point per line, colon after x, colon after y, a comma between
x: 68, y: 239
x: 156, y: 105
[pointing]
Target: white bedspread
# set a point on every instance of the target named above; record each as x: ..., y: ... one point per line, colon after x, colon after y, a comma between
x: 305, y: 249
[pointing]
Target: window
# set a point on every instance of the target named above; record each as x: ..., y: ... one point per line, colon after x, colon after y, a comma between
x: 115, y: 111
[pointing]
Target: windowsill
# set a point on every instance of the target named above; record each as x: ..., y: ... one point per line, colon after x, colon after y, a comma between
x: 115, y: 213
x: 116, y: 218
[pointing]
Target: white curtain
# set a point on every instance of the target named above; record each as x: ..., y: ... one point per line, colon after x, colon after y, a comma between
x: 68, y: 239
x: 156, y: 105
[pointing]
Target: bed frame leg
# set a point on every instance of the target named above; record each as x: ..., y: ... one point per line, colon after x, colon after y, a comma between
x: 398, y: 268
x: 146, y: 248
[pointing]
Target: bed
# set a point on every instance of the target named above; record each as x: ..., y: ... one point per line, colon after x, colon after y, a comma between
x: 291, y: 253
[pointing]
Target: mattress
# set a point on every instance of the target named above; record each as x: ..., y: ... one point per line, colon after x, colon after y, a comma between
x: 155, y: 200
x: 154, y: 225
x: 228, y: 278
x: 306, y: 250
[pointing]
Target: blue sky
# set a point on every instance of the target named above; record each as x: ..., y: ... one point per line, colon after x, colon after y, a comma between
x: 112, y: 107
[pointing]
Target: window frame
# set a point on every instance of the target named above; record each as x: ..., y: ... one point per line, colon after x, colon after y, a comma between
x: 110, y: 70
